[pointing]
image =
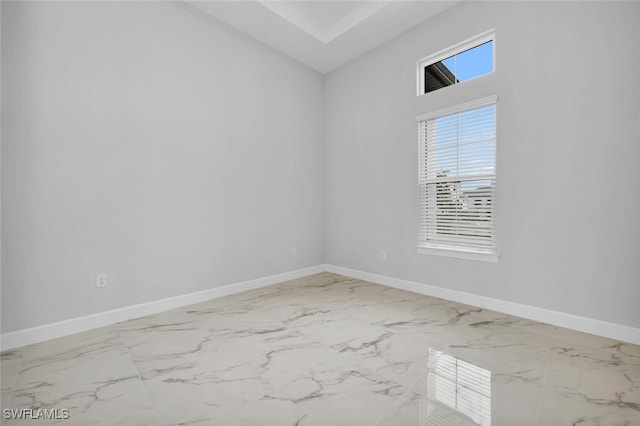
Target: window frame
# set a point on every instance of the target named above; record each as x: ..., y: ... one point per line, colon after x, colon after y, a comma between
x: 451, y: 250
x: 470, y: 43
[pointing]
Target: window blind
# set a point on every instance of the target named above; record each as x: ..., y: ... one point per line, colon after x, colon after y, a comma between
x: 457, y: 178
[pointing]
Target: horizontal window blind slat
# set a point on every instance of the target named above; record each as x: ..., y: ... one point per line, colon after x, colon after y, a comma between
x: 455, y: 238
x: 472, y: 177
x: 457, y: 179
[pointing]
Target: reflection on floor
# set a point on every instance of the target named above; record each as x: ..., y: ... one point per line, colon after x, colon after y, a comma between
x: 326, y: 350
x: 457, y: 390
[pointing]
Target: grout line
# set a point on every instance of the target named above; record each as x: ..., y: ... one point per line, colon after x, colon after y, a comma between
x: 599, y: 328
x: 15, y: 380
x: 407, y: 393
x: 155, y: 413
x: 45, y: 332
x: 544, y: 381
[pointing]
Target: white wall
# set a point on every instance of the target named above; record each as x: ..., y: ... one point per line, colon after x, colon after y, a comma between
x: 1, y: 7
x: 149, y: 142
x: 152, y: 143
x: 568, y: 198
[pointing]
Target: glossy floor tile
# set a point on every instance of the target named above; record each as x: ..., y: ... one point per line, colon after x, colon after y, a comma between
x: 325, y: 350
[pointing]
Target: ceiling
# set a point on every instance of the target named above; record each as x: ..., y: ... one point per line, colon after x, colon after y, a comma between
x: 322, y: 34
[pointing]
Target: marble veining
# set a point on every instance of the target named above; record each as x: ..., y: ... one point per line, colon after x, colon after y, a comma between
x: 326, y: 350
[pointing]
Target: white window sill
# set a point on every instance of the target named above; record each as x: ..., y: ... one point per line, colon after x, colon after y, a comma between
x: 460, y: 254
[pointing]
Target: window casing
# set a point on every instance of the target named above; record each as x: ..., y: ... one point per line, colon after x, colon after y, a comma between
x: 464, y: 61
x: 457, y: 180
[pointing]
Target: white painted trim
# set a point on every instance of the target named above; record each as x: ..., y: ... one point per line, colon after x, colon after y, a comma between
x: 470, y: 43
x: 459, y: 47
x: 587, y: 325
x: 476, y: 103
x: 460, y: 254
x: 75, y: 325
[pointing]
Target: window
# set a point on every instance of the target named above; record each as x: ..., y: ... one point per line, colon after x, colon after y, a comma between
x: 457, y: 180
x: 465, y: 61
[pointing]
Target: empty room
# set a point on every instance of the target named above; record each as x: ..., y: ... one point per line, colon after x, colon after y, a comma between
x: 310, y: 213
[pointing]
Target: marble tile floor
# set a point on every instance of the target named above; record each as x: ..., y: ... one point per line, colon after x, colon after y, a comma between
x: 326, y: 350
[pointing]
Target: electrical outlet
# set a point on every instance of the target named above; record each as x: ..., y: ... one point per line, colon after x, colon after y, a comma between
x: 101, y: 280
x: 383, y: 254
x: 294, y: 251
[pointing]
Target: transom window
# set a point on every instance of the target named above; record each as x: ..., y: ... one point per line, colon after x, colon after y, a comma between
x: 457, y: 178
x: 465, y: 61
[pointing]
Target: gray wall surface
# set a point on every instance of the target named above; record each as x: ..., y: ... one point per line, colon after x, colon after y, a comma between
x: 148, y: 142
x: 568, y: 225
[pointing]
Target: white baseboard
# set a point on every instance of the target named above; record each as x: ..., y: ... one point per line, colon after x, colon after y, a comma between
x: 587, y: 325
x: 75, y: 325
